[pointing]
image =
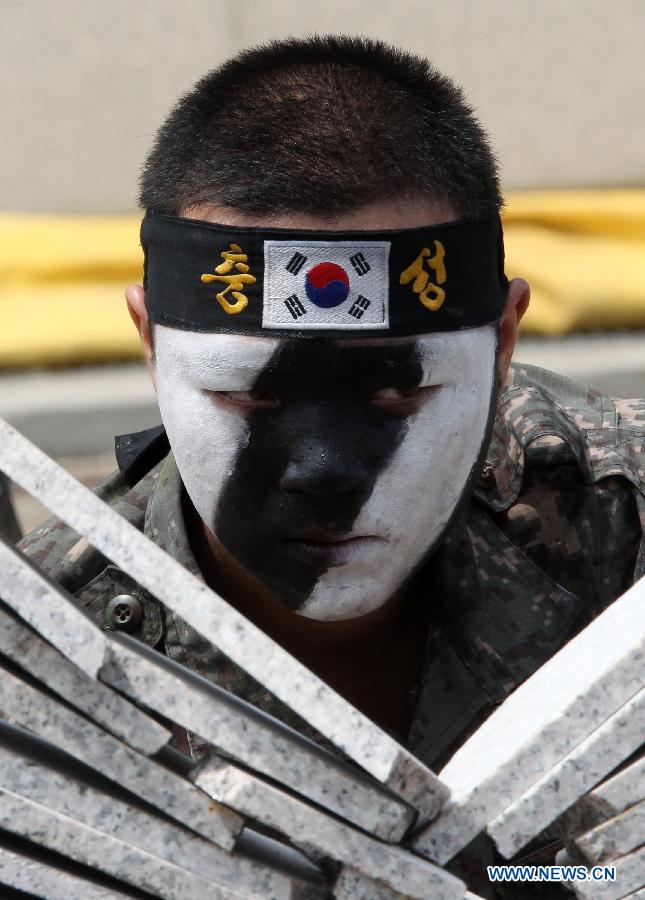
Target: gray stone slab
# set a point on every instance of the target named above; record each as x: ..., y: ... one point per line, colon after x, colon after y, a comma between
x: 28, y: 650
x: 569, y: 779
x: 353, y: 885
x: 26, y: 775
x: 23, y: 705
x: 367, y: 744
x: 233, y: 725
x: 630, y: 877
x: 256, y: 739
x: 314, y: 831
x: 636, y: 895
x: 623, y: 789
x: 614, y: 838
x: 540, y: 723
x: 103, y: 852
x: 42, y: 879
x: 40, y: 603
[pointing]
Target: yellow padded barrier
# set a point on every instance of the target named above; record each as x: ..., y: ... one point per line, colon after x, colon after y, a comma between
x: 62, y: 277
x: 583, y: 253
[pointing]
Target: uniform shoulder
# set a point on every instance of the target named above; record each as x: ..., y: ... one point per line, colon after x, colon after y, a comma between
x: 588, y: 407
x: 547, y: 420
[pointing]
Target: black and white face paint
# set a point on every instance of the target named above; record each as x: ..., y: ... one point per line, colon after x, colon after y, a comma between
x: 327, y: 468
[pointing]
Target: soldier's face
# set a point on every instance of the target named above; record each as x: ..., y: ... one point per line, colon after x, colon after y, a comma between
x: 327, y: 468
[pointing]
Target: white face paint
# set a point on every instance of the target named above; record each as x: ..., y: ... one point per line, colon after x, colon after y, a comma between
x: 415, y: 496
x: 344, y: 573
x: 205, y: 437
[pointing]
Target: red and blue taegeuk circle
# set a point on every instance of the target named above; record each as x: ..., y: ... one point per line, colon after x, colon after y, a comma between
x: 327, y: 285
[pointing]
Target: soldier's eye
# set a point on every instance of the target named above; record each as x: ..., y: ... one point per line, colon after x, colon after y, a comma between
x: 246, y: 400
x: 400, y: 397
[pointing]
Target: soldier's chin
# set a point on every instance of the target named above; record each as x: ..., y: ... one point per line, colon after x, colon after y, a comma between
x: 324, y: 609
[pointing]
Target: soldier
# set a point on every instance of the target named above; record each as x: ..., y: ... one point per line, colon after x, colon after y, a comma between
x: 347, y: 454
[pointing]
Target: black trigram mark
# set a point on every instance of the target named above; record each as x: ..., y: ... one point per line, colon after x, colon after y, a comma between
x: 359, y: 306
x: 294, y: 306
x: 296, y: 263
x: 360, y: 263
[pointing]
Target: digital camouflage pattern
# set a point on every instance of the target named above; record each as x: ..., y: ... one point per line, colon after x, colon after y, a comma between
x: 552, y: 535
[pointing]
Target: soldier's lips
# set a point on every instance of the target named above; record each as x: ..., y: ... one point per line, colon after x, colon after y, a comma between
x: 331, y: 550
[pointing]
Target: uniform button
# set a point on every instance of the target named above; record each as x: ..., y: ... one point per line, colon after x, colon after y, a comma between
x: 124, y: 613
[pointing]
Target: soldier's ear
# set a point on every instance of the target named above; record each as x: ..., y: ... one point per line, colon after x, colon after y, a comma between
x: 517, y: 301
x: 135, y: 297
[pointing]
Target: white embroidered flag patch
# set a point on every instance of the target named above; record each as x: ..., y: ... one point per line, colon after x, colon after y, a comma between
x: 326, y: 285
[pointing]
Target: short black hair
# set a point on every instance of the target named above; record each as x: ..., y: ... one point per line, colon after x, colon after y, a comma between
x: 321, y: 125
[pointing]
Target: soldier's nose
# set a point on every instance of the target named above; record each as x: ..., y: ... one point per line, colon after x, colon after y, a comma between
x: 324, y: 471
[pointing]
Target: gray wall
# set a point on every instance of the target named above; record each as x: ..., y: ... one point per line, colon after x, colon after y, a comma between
x: 559, y: 83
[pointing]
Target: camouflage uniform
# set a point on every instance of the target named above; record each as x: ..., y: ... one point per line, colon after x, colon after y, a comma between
x: 551, y: 536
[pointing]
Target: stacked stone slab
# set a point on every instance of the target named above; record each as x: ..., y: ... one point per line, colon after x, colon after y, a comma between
x: 606, y: 827
x: 359, y: 738
x: 87, y: 775
x: 562, y: 731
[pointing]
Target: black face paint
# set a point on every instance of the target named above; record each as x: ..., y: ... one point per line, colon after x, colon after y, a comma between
x: 311, y: 461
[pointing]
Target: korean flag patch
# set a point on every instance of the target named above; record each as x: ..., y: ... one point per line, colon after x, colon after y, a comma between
x: 326, y: 285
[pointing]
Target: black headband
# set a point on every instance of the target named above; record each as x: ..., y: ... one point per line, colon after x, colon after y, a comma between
x: 267, y: 281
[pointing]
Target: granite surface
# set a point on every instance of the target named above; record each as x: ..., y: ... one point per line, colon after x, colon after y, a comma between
x: 630, y: 872
x: 353, y: 885
x: 71, y: 795
x: 542, y: 721
x: 36, y: 656
x: 368, y: 745
x: 314, y: 831
x: 581, y: 769
x: 40, y: 602
x: 623, y: 789
x: 42, y: 879
x: 34, y: 711
x: 615, y: 837
x: 254, y: 738
x: 103, y: 852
